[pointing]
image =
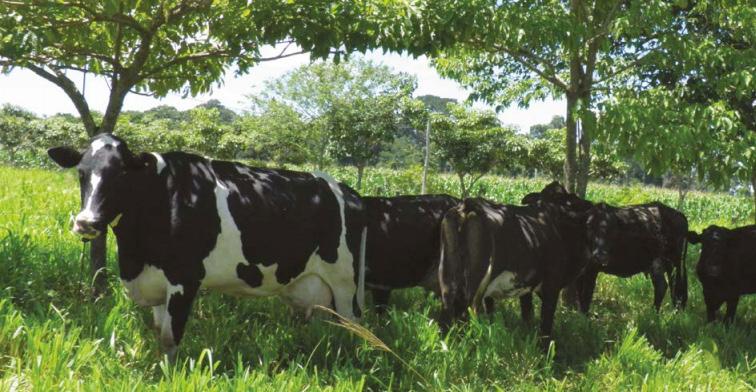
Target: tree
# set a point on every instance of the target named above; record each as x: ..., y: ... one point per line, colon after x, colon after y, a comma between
x: 318, y: 91
x: 471, y: 141
x: 523, y: 51
x: 278, y: 134
x: 688, y: 108
x: 157, y: 46
x: 538, y: 131
x: 359, y: 129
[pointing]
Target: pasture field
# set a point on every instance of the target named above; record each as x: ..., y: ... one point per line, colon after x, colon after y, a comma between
x: 53, y: 337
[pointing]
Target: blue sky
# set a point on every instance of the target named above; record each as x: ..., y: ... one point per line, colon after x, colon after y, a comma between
x: 25, y: 89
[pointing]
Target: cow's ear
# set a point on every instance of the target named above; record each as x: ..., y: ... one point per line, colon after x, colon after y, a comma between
x: 65, y: 157
x: 530, y: 198
x: 694, y: 238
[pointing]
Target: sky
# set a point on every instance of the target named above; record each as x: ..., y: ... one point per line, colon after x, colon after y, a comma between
x: 27, y: 90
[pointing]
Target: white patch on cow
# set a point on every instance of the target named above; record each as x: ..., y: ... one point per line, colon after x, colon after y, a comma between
x: 166, y: 328
x: 149, y: 288
x: 220, y: 265
x: 479, y: 293
x: 160, y: 162
x: 158, y: 314
x: 505, y: 285
x: 86, y: 214
x: 305, y: 291
x: 103, y: 141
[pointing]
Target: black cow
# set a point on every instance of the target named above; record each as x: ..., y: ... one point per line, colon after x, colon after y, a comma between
x: 727, y: 267
x: 184, y: 222
x: 403, y: 242
x: 649, y: 238
x: 555, y: 193
x: 625, y: 241
x: 492, y: 251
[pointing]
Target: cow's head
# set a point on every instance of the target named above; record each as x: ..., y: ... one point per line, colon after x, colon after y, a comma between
x: 713, y: 242
x: 555, y: 193
x: 600, y: 224
x: 104, y: 171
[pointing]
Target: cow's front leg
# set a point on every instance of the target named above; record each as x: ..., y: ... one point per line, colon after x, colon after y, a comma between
x: 179, y: 299
x: 732, y: 305
x: 712, y: 307
x: 659, y: 282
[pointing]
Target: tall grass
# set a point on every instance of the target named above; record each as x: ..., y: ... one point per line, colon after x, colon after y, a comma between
x: 52, y: 337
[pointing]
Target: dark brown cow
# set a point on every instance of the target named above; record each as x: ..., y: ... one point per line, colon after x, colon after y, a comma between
x: 726, y: 268
x: 403, y: 243
x: 625, y: 241
x: 647, y: 238
x: 493, y: 251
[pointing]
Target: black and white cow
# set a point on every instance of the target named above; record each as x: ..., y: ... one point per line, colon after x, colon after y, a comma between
x: 403, y: 242
x: 492, y: 251
x: 184, y: 222
x: 650, y: 238
x: 726, y: 268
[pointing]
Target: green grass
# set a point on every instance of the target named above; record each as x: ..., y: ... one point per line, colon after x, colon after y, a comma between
x: 52, y: 337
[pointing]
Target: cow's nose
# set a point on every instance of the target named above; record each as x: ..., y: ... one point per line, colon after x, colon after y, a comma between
x: 85, y: 229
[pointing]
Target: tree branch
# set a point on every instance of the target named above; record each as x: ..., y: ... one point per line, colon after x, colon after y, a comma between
x: 68, y: 86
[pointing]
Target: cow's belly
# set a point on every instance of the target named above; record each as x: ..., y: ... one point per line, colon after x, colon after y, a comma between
x: 149, y: 288
x: 506, y: 285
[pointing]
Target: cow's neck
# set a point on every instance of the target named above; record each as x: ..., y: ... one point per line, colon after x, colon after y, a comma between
x: 142, y: 230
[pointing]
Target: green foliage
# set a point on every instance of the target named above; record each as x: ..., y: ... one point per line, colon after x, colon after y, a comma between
x: 347, y: 111
x: 689, y: 106
x: 51, y: 339
x: 471, y: 141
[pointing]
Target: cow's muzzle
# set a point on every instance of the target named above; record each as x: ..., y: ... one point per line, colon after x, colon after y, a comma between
x: 600, y: 258
x: 87, y: 230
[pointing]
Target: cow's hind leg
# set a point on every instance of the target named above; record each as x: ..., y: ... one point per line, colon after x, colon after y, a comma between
x: 586, y: 286
x: 381, y: 300
x: 549, y: 299
x: 732, y: 305
x: 158, y: 314
x: 659, y: 282
x: 179, y: 301
x: 526, y: 307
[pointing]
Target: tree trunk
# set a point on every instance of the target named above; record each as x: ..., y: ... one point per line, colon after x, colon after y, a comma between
x: 423, y: 187
x: 587, y: 127
x: 462, y: 190
x: 753, y: 192
x: 570, y: 155
x: 360, y: 171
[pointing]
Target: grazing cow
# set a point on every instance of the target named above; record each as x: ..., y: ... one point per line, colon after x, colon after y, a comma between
x: 491, y: 251
x: 625, y: 241
x: 403, y: 243
x: 184, y: 222
x: 647, y: 238
x: 727, y: 267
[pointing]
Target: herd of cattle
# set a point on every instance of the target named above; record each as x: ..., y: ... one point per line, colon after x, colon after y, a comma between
x: 183, y: 222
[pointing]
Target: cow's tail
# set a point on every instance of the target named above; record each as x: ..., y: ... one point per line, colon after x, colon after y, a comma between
x: 681, y: 277
x: 361, y: 273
